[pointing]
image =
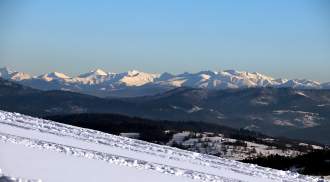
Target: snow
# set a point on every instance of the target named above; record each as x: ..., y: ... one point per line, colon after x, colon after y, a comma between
x: 54, y: 76
x: 191, y: 110
x: 97, y: 72
x: 301, y: 118
x: 217, y: 144
x: 19, y: 76
x: 55, y: 166
x: 317, y: 147
x: 282, y: 122
x: 203, y: 79
x: 137, y: 78
x: 301, y: 94
x: 302, y: 84
x: 62, y: 152
x: 179, y: 137
x: 194, y: 109
x: 262, y: 100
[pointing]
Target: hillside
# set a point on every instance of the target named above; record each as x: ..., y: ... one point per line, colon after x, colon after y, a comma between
x: 199, y: 137
x: 84, y: 155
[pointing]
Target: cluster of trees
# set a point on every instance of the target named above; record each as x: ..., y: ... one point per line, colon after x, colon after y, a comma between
x: 153, y: 131
x: 150, y: 130
x: 316, y: 162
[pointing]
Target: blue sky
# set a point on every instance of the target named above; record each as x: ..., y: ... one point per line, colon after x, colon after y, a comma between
x: 280, y: 38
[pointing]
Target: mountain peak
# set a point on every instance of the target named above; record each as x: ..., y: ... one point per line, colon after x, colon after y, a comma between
x: 58, y: 75
x: 232, y: 72
x: 96, y: 72
x: 133, y: 72
x: 100, y: 72
x: 53, y: 75
x: 19, y: 76
x: 5, y: 72
x: 165, y: 76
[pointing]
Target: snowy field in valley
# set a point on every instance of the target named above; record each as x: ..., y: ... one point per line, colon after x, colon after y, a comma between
x: 43, y: 150
x: 236, y: 149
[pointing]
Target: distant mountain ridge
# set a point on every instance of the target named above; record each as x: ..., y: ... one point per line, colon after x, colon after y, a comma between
x: 136, y: 83
x: 299, y: 114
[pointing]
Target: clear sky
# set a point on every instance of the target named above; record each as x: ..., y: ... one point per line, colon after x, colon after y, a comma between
x: 281, y: 38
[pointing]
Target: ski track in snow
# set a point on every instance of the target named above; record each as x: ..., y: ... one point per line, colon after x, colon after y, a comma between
x: 114, y: 159
x: 44, y: 126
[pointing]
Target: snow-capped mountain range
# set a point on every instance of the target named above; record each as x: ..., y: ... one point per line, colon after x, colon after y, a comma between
x: 137, y: 83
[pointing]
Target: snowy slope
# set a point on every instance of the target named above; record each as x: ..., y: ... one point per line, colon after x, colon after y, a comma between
x: 40, y: 149
x: 102, y: 81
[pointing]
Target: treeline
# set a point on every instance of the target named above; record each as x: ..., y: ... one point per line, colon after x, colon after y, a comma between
x: 153, y: 131
x: 150, y: 130
x: 316, y: 162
